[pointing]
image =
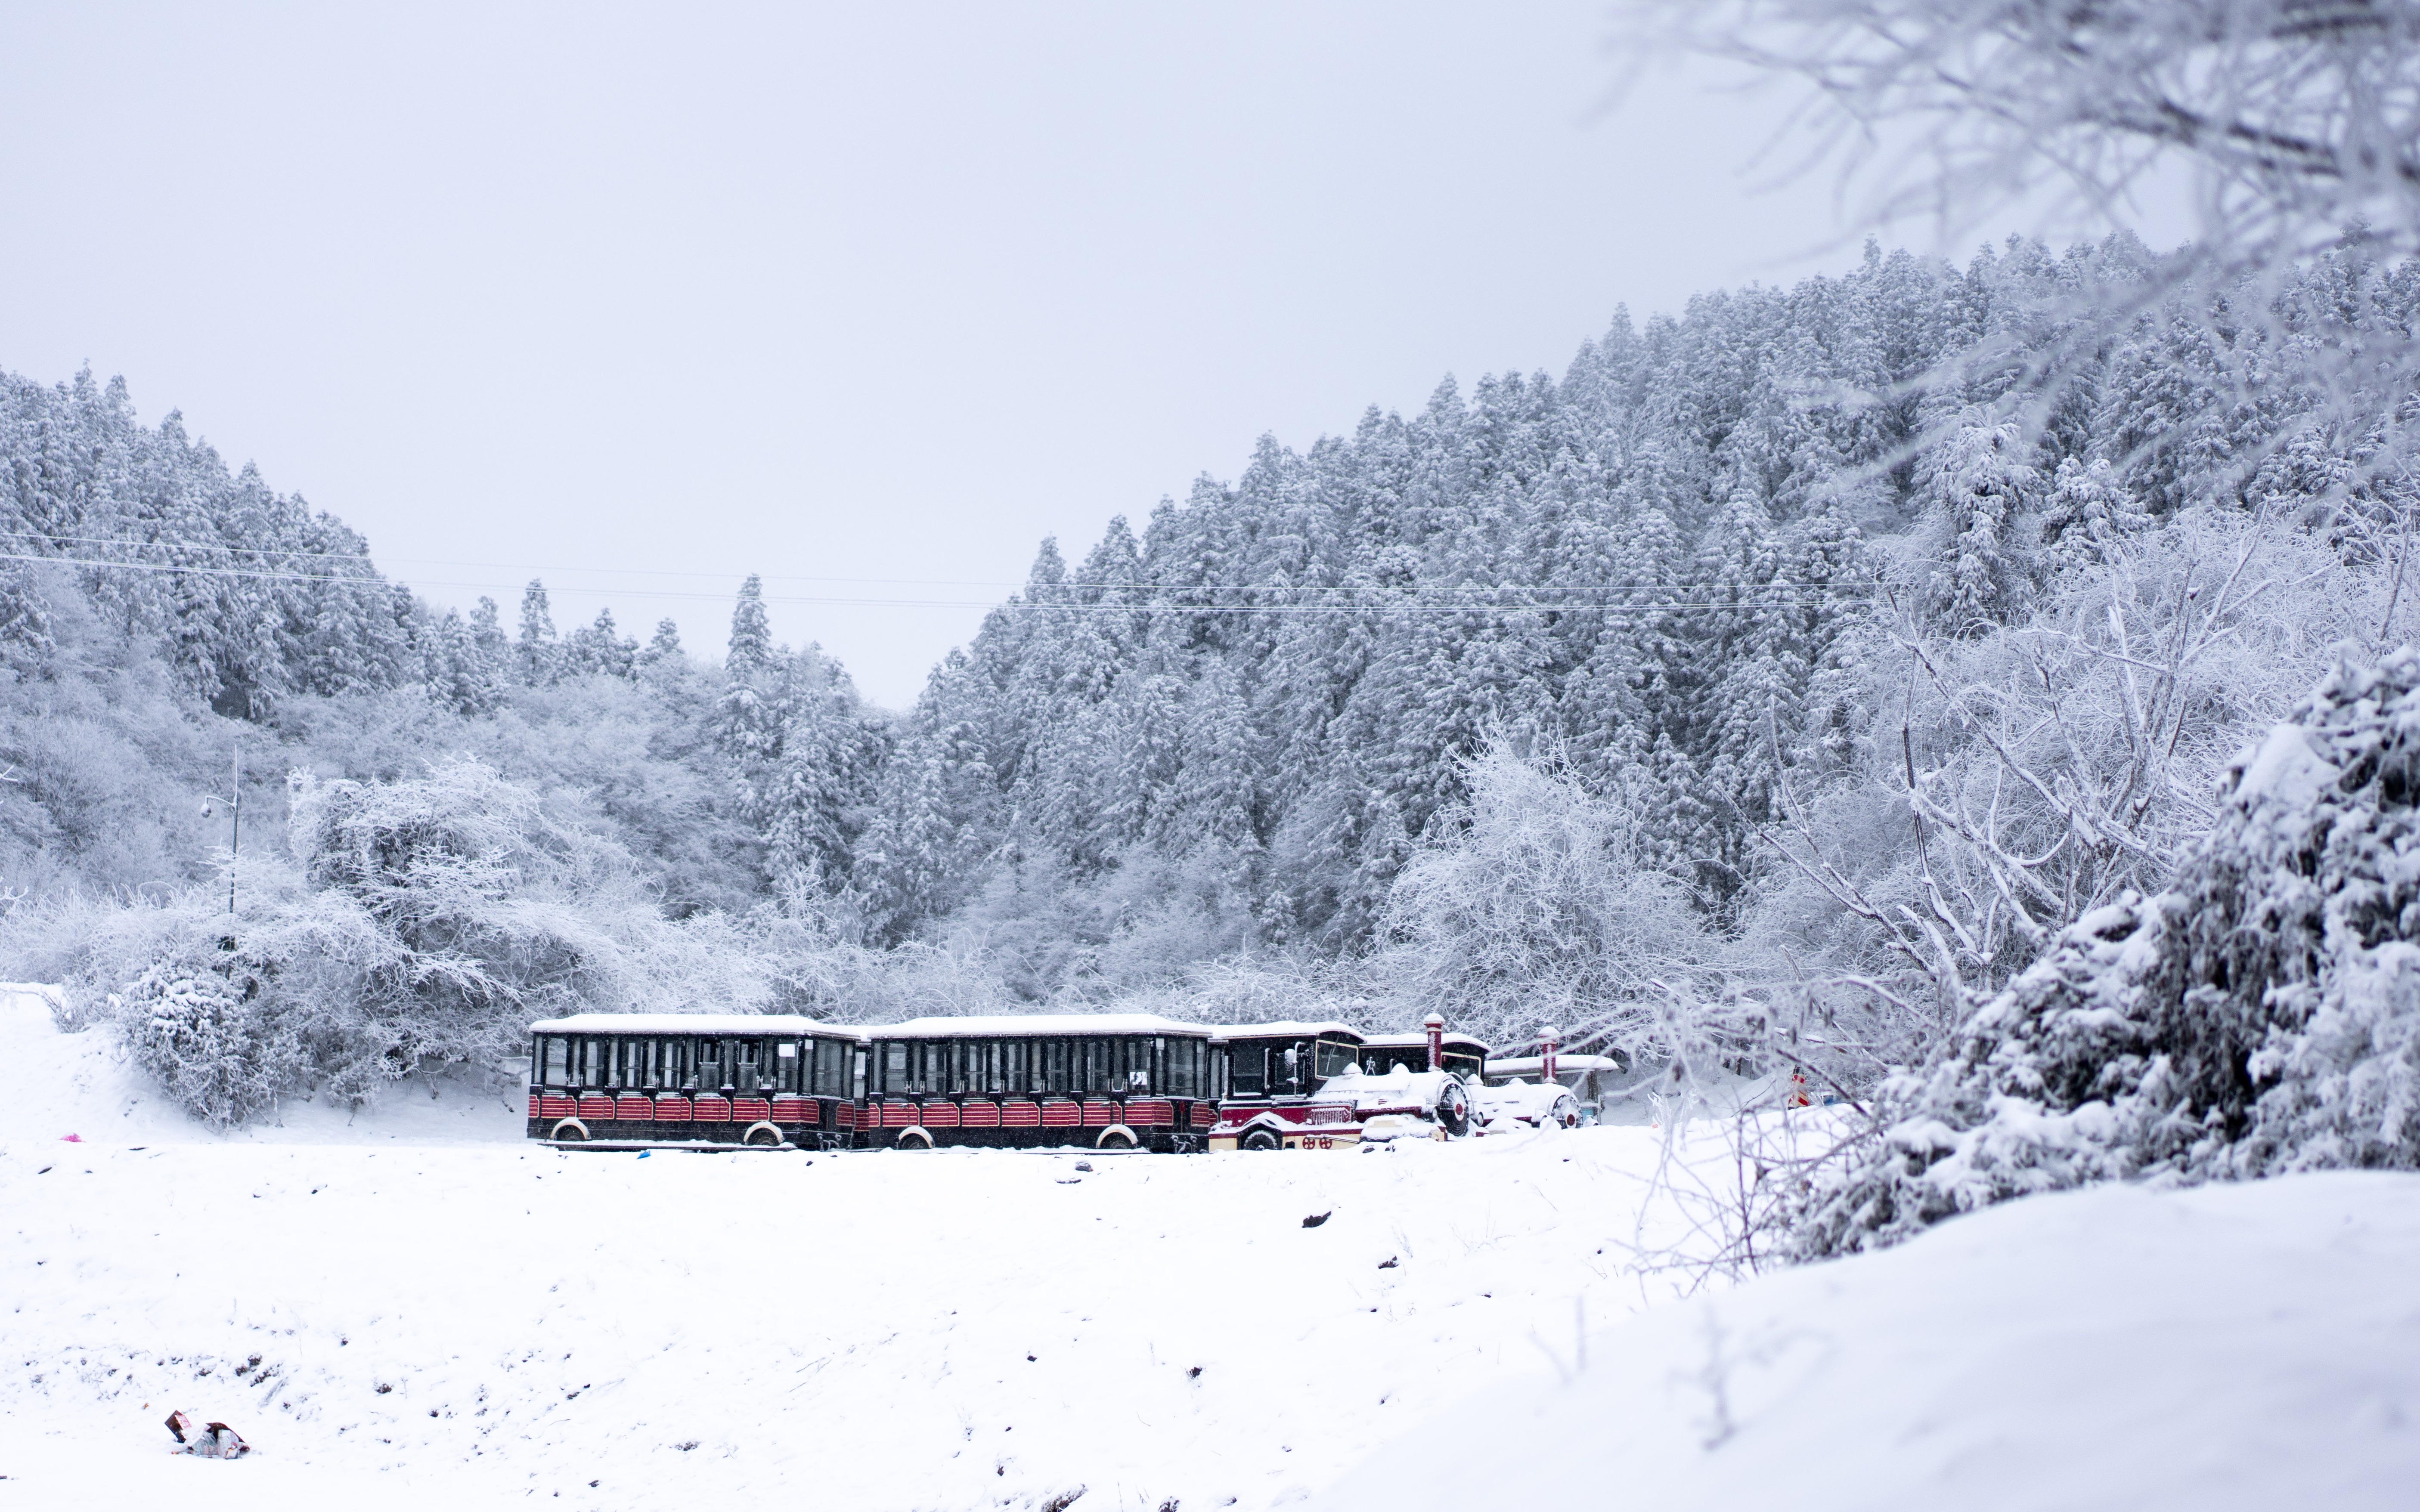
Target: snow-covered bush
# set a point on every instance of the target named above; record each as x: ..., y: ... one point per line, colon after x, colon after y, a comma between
x: 198, y: 1026
x: 2018, y: 780
x: 2259, y: 1016
x: 1528, y: 904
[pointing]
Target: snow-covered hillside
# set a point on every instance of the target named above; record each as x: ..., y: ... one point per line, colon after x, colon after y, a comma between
x: 446, y: 1316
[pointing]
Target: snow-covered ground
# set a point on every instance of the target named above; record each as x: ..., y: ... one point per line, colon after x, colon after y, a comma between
x: 440, y: 1311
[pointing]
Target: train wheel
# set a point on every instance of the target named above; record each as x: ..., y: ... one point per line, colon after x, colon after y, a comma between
x: 1117, y: 1137
x: 1453, y: 1110
x: 1262, y: 1139
x: 762, y: 1136
x: 570, y: 1130
x: 913, y: 1139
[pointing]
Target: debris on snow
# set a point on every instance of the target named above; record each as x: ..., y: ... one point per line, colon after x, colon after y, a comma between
x: 213, y: 1440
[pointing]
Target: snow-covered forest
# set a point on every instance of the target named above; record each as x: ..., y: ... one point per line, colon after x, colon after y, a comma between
x: 1553, y: 701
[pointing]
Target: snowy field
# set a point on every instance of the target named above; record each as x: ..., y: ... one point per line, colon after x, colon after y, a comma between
x: 417, y: 1304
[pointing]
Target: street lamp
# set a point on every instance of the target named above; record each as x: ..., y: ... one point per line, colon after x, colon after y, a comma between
x: 235, y: 821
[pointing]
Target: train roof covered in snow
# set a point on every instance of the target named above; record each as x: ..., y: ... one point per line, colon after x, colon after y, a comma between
x: 1036, y: 1027
x: 736, y: 1025
x: 1291, y: 1029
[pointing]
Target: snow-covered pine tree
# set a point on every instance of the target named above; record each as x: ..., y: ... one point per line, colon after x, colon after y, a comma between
x: 1980, y: 493
x: 461, y: 675
x: 664, y: 645
x: 537, y: 657
x: 598, y: 649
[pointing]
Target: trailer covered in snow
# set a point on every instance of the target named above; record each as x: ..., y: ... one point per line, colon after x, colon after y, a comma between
x: 750, y: 1079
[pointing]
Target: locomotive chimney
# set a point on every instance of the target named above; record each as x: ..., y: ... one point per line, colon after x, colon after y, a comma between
x: 1435, y: 1023
x: 1553, y: 1039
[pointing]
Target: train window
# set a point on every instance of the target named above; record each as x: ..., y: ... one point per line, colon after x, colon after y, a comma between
x: 557, y: 1070
x: 962, y: 1070
x: 748, y: 1064
x: 1250, y: 1071
x: 786, y: 1067
x: 1050, y: 1067
x: 831, y: 1068
x: 1012, y: 1066
x: 893, y: 1076
x: 1183, y: 1068
x: 1214, y: 1084
x: 1333, y: 1058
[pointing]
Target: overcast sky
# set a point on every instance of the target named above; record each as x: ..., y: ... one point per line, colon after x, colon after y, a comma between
x: 867, y: 298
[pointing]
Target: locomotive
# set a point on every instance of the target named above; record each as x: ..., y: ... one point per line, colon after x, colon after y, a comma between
x: 1106, y: 1081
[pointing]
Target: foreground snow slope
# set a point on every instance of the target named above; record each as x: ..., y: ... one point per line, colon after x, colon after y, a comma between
x: 2251, y: 1345
x: 497, y: 1325
x: 867, y: 1330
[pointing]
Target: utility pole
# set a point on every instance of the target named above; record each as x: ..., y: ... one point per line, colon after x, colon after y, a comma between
x: 234, y: 800
x: 235, y: 821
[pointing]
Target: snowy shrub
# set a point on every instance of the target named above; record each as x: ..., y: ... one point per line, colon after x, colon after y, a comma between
x: 2260, y: 1015
x: 1528, y: 904
x: 203, y: 1033
x: 2022, y: 779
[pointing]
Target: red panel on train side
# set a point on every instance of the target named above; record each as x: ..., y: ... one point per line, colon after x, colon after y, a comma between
x: 848, y: 1115
x: 1020, y: 1115
x: 538, y: 1106
x: 750, y: 1110
x: 1151, y: 1115
x: 596, y: 1105
x: 556, y: 1107
x: 941, y: 1116
x: 711, y: 1110
x: 979, y: 1114
x: 898, y: 1115
x: 1058, y: 1113
x: 671, y: 1110
x: 1202, y: 1116
x: 793, y: 1110
x: 634, y: 1106
x: 1100, y: 1114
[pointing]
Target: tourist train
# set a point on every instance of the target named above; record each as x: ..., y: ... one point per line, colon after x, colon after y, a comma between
x: 1104, y: 1081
